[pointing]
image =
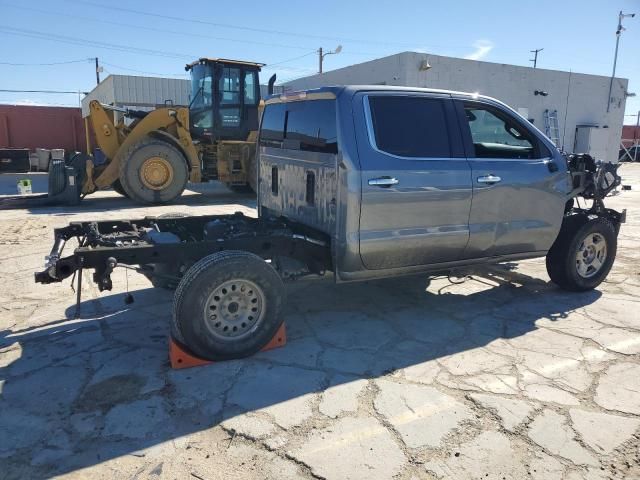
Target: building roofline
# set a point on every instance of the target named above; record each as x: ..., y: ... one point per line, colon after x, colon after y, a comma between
x: 427, y: 55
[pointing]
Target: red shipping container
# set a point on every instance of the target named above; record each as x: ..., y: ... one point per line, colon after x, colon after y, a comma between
x: 27, y: 126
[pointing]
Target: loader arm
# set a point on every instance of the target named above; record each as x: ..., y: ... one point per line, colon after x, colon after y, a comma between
x: 172, y: 124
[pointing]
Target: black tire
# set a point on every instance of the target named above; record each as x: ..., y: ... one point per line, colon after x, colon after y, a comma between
x: 57, y: 178
x: 246, y: 188
x: 161, y: 276
x: 117, y: 187
x: 562, y: 262
x: 195, y: 323
x: 131, y: 172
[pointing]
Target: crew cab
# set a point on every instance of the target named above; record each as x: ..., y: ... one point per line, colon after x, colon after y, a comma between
x: 363, y: 182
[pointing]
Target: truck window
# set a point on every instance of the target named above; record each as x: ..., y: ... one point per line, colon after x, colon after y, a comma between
x: 272, y: 127
x: 496, y: 135
x: 413, y: 127
x: 307, y: 125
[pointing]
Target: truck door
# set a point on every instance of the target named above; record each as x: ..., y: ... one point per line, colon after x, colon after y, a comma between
x: 416, y: 182
x: 519, y: 183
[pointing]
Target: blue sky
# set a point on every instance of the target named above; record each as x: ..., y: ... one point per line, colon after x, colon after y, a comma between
x: 159, y: 37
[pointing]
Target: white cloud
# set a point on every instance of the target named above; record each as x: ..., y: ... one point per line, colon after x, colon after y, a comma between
x: 37, y: 103
x: 482, y: 49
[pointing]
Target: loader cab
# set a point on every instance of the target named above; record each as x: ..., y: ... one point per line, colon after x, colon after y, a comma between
x: 225, y: 95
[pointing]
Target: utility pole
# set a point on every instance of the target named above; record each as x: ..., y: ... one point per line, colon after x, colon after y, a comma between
x: 615, y: 55
x: 535, y: 56
x: 322, y: 54
x: 635, y: 138
x: 97, y: 72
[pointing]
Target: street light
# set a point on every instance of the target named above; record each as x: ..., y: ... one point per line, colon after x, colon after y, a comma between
x: 615, y: 56
x: 322, y: 55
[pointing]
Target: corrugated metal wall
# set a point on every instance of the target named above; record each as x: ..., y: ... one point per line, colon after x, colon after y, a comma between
x: 26, y: 126
x: 135, y: 91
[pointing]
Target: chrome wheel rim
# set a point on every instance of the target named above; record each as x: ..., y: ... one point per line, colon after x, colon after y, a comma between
x: 591, y: 255
x: 234, y: 309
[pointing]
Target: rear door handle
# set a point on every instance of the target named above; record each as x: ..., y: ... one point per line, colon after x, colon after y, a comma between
x: 383, y: 181
x: 489, y: 179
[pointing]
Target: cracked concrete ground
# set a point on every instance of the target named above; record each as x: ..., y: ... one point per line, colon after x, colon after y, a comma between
x: 502, y: 376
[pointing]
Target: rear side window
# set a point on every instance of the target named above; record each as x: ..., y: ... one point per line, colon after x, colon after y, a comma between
x: 308, y: 126
x: 272, y: 128
x: 412, y: 127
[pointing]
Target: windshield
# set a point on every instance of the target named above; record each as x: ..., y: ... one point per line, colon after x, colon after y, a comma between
x: 201, y: 86
x: 201, y: 97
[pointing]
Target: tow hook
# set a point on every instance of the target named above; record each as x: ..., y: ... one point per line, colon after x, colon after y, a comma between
x: 103, y: 277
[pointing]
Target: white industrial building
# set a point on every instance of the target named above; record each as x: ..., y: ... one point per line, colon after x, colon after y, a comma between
x: 571, y: 108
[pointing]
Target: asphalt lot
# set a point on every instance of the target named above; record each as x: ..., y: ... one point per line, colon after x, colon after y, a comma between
x: 502, y: 376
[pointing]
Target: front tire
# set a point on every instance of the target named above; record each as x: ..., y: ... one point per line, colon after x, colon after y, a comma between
x: 228, y: 305
x: 583, y: 254
x: 153, y: 172
x: 117, y: 187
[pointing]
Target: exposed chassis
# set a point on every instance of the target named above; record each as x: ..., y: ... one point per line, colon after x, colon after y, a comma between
x: 179, y: 241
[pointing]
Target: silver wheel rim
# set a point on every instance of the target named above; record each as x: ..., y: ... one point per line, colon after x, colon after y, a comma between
x: 591, y: 255
x: 235, y: 309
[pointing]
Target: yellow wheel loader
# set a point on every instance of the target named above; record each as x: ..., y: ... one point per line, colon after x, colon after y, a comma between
x: 150, y: 156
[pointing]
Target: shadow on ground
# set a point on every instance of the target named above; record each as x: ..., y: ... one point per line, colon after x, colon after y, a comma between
x: 77, y: 393
x: 105, y: 201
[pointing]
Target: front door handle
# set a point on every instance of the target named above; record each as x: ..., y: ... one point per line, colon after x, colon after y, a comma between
x: 383, y: 181
x: 489, y: 179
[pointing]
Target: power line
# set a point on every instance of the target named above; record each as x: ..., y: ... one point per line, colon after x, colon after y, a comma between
x: 76, y: 92
x: 84, y: 60
x: 268, y: 65
x: 152, y: 29
x: 251, y: 29
x: 143, y: 71
x: 94, y: 43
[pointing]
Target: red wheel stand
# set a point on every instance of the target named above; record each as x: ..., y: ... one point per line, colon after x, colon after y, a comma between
x: 182, y: 358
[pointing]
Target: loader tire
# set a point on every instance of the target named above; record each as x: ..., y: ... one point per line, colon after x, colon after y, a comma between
x: 241, y: 189
x: 583, y: 254
x: 117, y: 187
x: 228, y: 305
x: 153, y: 171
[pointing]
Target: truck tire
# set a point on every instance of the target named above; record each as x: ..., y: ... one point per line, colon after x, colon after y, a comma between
x: 153, y: 171
x: 583, y: 254
x: 228, y: 305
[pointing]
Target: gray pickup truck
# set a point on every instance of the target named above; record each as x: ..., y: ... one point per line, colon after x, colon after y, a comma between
x: 363, y: 182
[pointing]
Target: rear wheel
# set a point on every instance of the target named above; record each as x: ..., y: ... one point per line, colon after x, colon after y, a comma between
x: 153, y: 172
x: 583, y: 254
x: 228, y: 305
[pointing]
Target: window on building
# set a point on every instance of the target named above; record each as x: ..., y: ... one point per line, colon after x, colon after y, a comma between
x: 413, y: 127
